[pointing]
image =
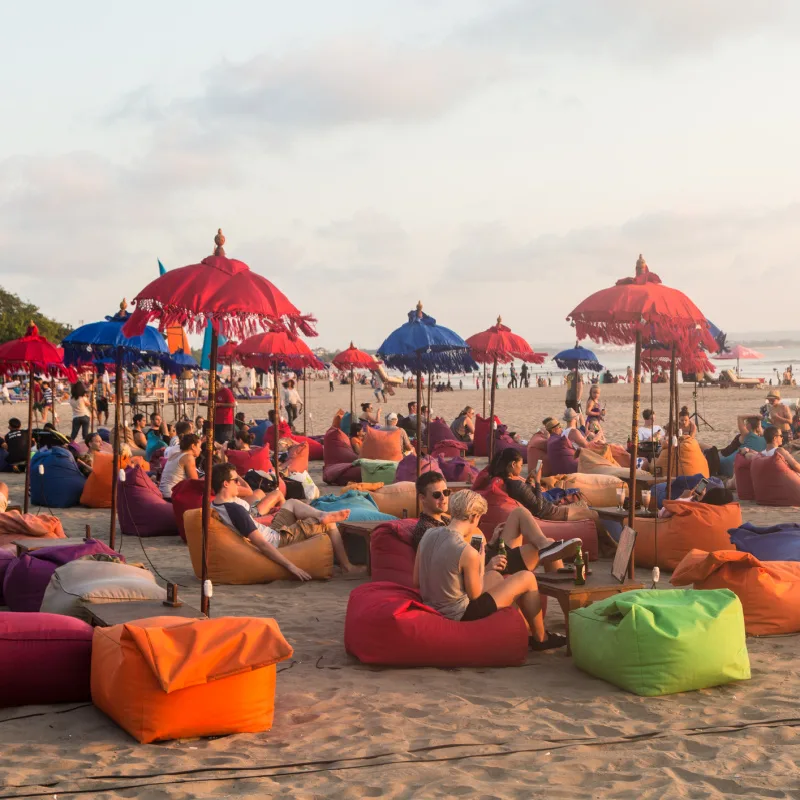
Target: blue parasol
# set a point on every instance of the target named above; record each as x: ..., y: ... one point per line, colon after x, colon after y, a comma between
x: 577, y: 358
x: 179, y: 361
x: 104, y: 341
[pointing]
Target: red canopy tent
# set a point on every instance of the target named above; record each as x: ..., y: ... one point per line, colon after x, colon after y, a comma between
x: 272, y: 350
x: 35, y: 354
x: 236, y: 302
x: 622, y: 313
x: 354, y: 359
x: 499, y: 344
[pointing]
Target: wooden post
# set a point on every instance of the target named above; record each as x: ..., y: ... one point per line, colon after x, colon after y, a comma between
x: 119, y: 400
x: 352, y: 397
x: 419, y: 430
x: 30, y: 439
x: 277, y: 406
x: 637, y: 390
x: 491, y: 411
x: 671, y: 420
x: 304, y: 402
x: 428, y: 430
x: 484, y: 390
x: 205, y: 600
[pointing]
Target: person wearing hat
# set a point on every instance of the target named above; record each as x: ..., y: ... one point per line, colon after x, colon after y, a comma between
x: 391, y: 425
x: 561, y: 453
x: 571, y: 432
x: 779, y: 415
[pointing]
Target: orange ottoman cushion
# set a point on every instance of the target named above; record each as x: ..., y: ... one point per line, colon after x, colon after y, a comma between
x: 185, y: 678
x: 382, y: 445
x: 97, y: 489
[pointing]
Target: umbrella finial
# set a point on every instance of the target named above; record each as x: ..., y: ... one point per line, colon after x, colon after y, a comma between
x: 499, y: 320
x: 123, y: 306
x: 641, y: 265
x: 419, y: 309
x: 219, y: 241
x: 352, y: 346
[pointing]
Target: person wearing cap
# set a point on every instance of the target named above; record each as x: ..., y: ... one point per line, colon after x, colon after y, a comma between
x: 391, y: 425
x: 779, y: 415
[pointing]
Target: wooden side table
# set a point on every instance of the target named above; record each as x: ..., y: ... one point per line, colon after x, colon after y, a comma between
x: 40, y: 542
x: 569, y: 596
x: 363, y: 529
x: 104, y: 615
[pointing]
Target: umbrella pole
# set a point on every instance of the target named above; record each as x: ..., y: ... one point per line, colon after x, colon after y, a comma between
x: 304, y: 402
x: 484, y: 390
x: 205, y: 599
x: 419, y: 430
x: 91, y: 407
x: 428, y: 430
x: 30, y: 439
x: 672, y: 427
x: 491, y: 411
x: 637, y: 392
x: 115, y: 470
x: 277, y: 407
x: 352, y: 396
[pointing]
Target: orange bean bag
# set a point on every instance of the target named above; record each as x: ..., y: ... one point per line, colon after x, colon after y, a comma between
x: 597, y: 490
x: 687, y: 459
x: 395, y: 498
x: 537, y: 449
x: 692, y: 525
x: 186, y: 677
x: 382, y: 445
x: 232, y: 559
x: 769, y: 590
x: 774, y: 484
x: 297, y: 460
x: 97, y: 489
x: 14, y: 525
x: 591, y: 462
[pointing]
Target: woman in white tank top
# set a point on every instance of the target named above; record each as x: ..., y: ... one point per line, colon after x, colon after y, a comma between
x: 181, y: 465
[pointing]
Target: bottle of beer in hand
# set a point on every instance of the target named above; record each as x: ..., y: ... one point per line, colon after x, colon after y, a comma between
x: 580, y: 568
x: 501, y: 548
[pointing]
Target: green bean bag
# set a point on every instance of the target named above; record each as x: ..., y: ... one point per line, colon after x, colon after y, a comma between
x: 661, y: 642
x: 375, y: 470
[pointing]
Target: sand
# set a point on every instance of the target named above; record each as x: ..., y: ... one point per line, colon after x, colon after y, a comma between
x: 344, y: 730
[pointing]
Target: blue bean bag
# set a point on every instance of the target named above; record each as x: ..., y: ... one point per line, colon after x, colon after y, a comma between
x: 362, y: 507
x: 61, y: 485
x: 259, y: 430
x: 770, y: 543
x: 681, y: 484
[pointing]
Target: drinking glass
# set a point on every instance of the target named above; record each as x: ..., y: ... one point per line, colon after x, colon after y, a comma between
x: 646, y: 499
x: 620, y: 496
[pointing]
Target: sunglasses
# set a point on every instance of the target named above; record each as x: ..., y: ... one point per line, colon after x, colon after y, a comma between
x: 440, y: 495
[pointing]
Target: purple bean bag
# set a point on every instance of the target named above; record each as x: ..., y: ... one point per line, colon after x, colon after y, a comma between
x: 457, y: 470
x: 407, y: 468
x: 46, y: 659
x: 503, y: 441
x: 561, y: 455
x: 338, y: 469
x: 439, y: 431
x: 449, y: 448
x: 27, y: 576
x: 6, y: 557
x: 769, y: 543
x: 141, y: 509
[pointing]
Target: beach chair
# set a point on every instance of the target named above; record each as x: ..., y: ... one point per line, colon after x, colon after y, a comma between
x: 728, y: 379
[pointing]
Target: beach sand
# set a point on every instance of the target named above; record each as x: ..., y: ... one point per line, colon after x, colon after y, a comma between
x: 345, y: 730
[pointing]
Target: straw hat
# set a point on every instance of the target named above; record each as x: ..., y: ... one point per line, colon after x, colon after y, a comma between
x: 774, y: 393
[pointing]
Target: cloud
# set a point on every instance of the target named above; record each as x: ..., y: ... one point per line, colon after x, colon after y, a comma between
x: 628, y: 30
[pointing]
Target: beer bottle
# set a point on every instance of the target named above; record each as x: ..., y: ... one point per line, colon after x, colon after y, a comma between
x: 580, y: 568
x: 501, y: 548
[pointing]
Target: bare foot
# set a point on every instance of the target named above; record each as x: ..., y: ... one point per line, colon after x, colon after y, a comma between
x: 354, y: 569
x: 335, y: 516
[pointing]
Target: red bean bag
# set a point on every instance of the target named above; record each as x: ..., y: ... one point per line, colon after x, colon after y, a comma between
x: 774, y: 484
x: 338, y: 469
x: 391, y: 553
x: 537, y: 449
x: 561, y: 455
x: 46, y: 659
x: 27, y: 575
x: 382, y: 445
x: 439, y: 431
x: 744, y: 479
x: 315, y: 449
x: 141, y: 509
x: 257, y: 458
x: 186, y: 495
x: 501, y: 505
x: 388, y: 624
x: 480, y: 444
x: 449, y: 448
x: 769, y: 590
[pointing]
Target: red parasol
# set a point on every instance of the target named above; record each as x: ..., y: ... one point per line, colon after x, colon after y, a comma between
x: 236, y: 302
x: 354, y: 359
x: 661, y: 358
x: 227, y: 350
x: 499, y: 345
x: 624, y: 312
x: 34, y: 353
x: 272, y: 350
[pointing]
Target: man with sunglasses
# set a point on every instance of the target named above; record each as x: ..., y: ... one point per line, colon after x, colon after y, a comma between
x: 434, y: 499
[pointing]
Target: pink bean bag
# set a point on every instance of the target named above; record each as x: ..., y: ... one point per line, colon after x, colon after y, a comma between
x: 388, y: 624
x: 407, y: 468
x: 744, y: 478
x: 46, y: 659
x: 28, y: 575
x: 338, y: 469
x: 141, y: 509
x: 774, y: 484
x: 257, y: 458
x: 391, y: 552
x: 561, y: 456
x: 186, y: 496
x: 537, y: 449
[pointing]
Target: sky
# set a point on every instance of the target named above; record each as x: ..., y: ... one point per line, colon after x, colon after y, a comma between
x: 487, y: 157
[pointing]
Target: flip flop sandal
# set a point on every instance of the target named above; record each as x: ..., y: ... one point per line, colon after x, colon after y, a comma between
x: 551, y: 642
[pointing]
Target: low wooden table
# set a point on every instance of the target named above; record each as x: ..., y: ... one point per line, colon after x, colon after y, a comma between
x: 40, y: 542
x: 457, y: 486
x: 569, y: 596
x: 14, y: 507
x: 621, y: 514
x: 106, y: 614
x: 363, y: 529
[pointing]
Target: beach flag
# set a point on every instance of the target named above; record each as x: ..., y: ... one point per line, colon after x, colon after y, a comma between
x: 205, y: 360
x: 176, y: 336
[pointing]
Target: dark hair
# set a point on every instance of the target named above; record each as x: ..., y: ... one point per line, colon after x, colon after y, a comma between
x: 428, y: 478
x: 91, y: 436
x: 412, y: 403
x: 355, y: 428
x: 189, y: 440
x: 271, y: 415
x: 14, y: 423
x: 684, y: 412
x: 365, y: 406
x: 48, y: 426
x: 240, y: 415
x: 718, y: 496
x: 771, y: 433
x: 154, y: 415
x: 138, y: 418
x: 77, y: 390
x: 502, y: 461
x: 219, y: 474
x: 183, y: 427
x: 647, y: 413
x: 752, y: 422
x: 423, y: 409
x: 245, y: 436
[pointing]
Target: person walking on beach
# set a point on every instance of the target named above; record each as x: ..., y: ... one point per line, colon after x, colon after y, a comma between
x: 80, y: 411
x: 330, y: 380
x: 291, y: 402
